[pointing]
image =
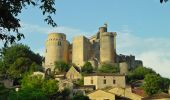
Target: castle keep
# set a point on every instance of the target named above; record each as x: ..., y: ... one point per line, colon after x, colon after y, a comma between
x: 99, y: 48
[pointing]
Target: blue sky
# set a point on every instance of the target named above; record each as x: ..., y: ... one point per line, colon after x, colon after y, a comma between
x: 143, y: 26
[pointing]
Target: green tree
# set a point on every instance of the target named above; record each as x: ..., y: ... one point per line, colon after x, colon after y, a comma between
x: 9, y: 11
x: 152, y: 84
x: 2, y: 69
x: 35, y: 87
x: 10, y: 54
x: 80, y: 97
x: 61, y: 66
x: 109, y: 68
x: 139, y: 73
x: 49, y: 86
x: 18, y: 59
x: 80, y: 82
x: 64, y: 94
x: 3, y: 92
x: 161, y: 1
x: 87, y: 68
x: 164, y: 85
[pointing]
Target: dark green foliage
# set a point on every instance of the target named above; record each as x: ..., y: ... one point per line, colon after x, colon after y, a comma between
x: 87, y: 68
x: 2, y: 69
x: 27, y: 94
x: 63, y: 95
x: 80, y: 97
x: 164, y: 85
x: 9, y: 11
x: 161, y: 1
x: 19, y: 59
x: 3, y: 92
x: 80, y: 82
x: 61, y: 66
x: 138, y: 73
x: 35, y: 88
x: 152, y: 84
x: 109, y: 68
x: 10, y: 54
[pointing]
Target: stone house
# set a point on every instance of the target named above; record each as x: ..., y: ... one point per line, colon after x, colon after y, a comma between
x: 73, y: 73
x: 103, y: 80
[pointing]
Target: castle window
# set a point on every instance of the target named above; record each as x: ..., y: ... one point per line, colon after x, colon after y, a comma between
x: 46, y: 50
x: 59, y: 43
x: 104, y: 76
x: 91, y: 81
x: 114, y: 81
x: 104, y: 81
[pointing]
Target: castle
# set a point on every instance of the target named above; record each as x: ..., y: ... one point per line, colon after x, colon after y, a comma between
x: 99, y: 48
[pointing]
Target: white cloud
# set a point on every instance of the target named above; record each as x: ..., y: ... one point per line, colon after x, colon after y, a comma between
x: 154, y: 52
x: 33, y: 28
x: 70, y: 32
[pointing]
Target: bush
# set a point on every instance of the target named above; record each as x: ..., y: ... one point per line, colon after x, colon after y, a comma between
x: 61, y: 66
x: 87, y: 68
x: 80, y: 97
x: 139, y: 74
x: 109, y: 68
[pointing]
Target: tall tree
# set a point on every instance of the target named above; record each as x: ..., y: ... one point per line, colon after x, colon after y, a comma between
x: 161, y: 1
x: 35, y: 87
x: 139, y: 73
x: 18, y: 59
x: 152, y: 84
x: 61, y: 66
x: 9, y: 21
x: 87, y: 68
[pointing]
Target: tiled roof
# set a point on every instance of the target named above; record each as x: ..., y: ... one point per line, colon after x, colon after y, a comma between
x: 104, y: 74
x: 139, y: 91
x: 157, y: 96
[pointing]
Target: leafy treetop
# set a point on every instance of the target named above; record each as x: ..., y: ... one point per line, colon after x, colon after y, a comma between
x: 87, y: 68
x: 109, y: 68
x: 61, y: 66
x: 18, y: 59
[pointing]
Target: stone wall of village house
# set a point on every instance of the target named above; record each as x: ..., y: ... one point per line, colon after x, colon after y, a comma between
x: 105, y: 81
x: 73, y: 74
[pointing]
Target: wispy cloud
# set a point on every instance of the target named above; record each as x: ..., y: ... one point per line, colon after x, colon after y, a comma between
x: 69, y: 31
x: 153, y: 51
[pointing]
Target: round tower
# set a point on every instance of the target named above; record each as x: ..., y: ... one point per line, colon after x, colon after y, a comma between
x: 107, y: 49
x: 56, y: 49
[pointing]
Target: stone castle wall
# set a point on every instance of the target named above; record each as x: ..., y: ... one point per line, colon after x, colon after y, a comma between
x: 56, y: 49
x: 100, y: 48
x: 107, y: 53
x: 80, y: 50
